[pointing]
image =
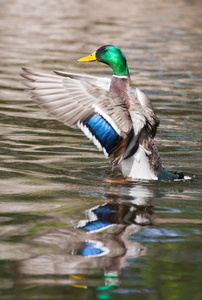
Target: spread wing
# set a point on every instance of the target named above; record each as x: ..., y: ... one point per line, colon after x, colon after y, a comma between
x: 73, y: 100
x: 151, y: 121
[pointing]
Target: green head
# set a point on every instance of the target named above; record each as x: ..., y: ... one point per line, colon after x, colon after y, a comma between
x: 113, y: 57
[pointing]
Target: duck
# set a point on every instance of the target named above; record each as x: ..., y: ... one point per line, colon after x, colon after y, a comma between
x: 119, y: 119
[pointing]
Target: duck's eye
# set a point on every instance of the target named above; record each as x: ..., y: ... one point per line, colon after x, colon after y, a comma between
x: 104, y: 50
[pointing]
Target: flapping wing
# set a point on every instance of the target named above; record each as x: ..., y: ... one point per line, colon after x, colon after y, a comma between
x: 102, y: 116
x: 147, y: 112
x: 144, y: 120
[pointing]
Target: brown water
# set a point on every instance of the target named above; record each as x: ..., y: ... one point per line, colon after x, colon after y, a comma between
x: 53, y: 180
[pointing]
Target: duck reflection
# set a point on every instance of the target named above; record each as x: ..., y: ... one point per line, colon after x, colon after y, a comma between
x: 101, y: 240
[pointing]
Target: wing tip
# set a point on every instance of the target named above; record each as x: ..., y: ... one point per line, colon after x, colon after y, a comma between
x: 61, y: 73
x: 27, y: 70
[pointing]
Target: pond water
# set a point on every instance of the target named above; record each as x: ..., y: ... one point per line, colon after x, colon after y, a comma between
x: 55, y: 186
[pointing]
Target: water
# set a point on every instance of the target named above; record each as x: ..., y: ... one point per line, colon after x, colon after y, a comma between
x: 54, y: 183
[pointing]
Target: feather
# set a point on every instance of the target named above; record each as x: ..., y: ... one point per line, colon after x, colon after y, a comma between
x: 101, y: 82
x: 101, y: 115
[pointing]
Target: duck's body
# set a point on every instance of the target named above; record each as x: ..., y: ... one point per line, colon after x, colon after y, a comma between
x: 119, y: 120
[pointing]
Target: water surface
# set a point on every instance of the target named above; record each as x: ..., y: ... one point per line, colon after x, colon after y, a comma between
x: 55, y: 186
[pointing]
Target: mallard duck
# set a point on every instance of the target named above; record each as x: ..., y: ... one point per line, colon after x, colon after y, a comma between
x: 120, y: 120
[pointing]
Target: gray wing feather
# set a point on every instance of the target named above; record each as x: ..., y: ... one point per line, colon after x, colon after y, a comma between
x: 102, y: 82
x: 71, y: 99
x: 145, y: 116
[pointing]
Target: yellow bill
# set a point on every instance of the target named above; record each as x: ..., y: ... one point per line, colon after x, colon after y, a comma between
x: 91, y: 57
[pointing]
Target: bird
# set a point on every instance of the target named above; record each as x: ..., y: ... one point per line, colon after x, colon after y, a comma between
x: 119, y: 119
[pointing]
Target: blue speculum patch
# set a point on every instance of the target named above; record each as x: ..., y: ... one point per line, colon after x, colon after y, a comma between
x: 97, y: 225
x: 89, y: 249
x: 103, y: 131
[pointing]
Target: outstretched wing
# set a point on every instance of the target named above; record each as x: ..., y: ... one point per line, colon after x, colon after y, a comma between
x: 102, y: 116
x: 147, y: 111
